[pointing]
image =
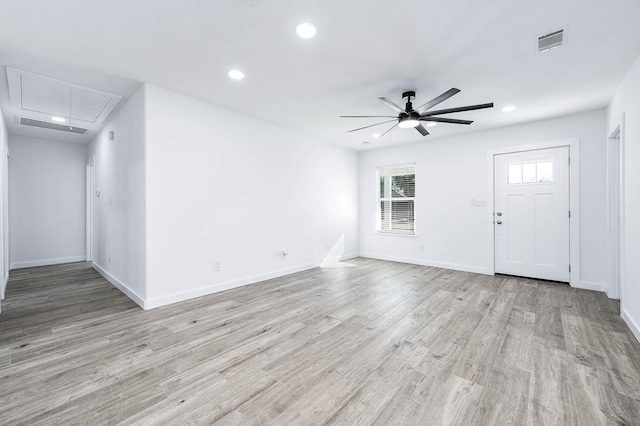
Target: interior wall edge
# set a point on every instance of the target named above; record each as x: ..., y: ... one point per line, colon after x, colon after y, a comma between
x: 426, y: 262
x: 121, y: 286
x: 633, y: 325
x: 147, y: 304
x: 219, y: 287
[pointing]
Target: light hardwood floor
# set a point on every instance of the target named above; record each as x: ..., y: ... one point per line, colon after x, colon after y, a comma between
x: 366, y: 342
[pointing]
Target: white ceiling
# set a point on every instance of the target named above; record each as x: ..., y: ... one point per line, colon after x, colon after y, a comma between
x: 364, y: 49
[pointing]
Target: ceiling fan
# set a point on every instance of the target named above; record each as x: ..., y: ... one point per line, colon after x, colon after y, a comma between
x: 410, y: 117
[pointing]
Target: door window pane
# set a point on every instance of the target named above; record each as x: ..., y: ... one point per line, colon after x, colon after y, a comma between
x: 515, y: 173
x: 545, y: 171
x: 529, y: 172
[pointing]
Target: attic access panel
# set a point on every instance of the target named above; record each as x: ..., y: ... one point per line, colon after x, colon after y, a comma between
x: 41, y: 97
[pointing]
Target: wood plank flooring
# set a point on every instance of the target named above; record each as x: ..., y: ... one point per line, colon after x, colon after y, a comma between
x: 363, y: 342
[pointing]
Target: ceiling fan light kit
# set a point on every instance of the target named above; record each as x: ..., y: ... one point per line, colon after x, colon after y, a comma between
x: 408, y: 117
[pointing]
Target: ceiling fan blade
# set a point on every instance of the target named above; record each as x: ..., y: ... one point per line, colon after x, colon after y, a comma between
x: 435, y: 101
x: 394, y: 126
x: 368, y: 116
x: 446, y: 120
x: 366, y: 127
x: 422, y: 130
x: 459, y: 109
x: 391, y: 104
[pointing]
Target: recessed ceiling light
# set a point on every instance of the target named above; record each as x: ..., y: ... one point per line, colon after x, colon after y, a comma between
x: 431, y: 124
x: 236, y: 74
x: 306, y: 30
x: 508, y: 108
x: 58, y: 119
x: 376, y: 135
x: 366, y: 143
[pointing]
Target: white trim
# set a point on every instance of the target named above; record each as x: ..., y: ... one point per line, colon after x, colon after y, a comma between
x: 432, y: 263
x: 3, y: 287
x: 90, y: 184
x: 588, y: 285
x: 574, y: 201
x: 345, y: 257
x: 633, y: 326
x: 216, y: 288
x: 120, y: 286
x: 613, y: 292
x: 46, y: 262
x: 395, y: 234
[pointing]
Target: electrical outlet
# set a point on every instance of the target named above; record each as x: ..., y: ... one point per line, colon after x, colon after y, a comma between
x: 421, y: 247
x: 109, y: 257
x: 216, y: 266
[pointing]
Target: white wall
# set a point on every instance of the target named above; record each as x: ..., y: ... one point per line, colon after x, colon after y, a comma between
x: 46, y: 202
x: 451, y: 171
x: 4, y: 208
x: 627, y: 101
x: 120, y: 209
x: 223, y: 186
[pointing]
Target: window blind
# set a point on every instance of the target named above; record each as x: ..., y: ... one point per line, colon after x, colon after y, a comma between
x: 396, y: 199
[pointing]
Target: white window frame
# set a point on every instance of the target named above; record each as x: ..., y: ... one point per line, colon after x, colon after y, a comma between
x: 380, y: 199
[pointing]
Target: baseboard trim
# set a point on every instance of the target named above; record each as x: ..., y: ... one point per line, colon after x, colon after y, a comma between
x: 587, y: 285
x: 346, y: 257
x: 633, y: 326
x: 216, y: 288
x: 423, y: 262
x: 46, y: 262
x: 228, y: 285
x: 3, y: 285
x: 121, y: 286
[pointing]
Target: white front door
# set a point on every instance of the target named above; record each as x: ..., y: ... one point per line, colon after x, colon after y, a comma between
x: 531, y: 214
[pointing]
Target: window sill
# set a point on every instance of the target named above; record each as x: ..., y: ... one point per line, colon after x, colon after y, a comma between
x: 397, y: 234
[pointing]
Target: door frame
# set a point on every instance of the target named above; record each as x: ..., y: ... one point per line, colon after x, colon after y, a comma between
x: 615, y: 291
x: 90, y: 208
x: 574, y: 201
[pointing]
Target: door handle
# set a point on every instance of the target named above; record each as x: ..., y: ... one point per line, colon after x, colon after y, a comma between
x: 499, y: 222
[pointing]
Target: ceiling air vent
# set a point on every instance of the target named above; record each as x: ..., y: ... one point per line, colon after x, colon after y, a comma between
x: 53, y: 126
x: 551, y: 40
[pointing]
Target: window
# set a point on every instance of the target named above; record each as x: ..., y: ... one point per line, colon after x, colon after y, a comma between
x: 396, y: 199
x: 536, y: 171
